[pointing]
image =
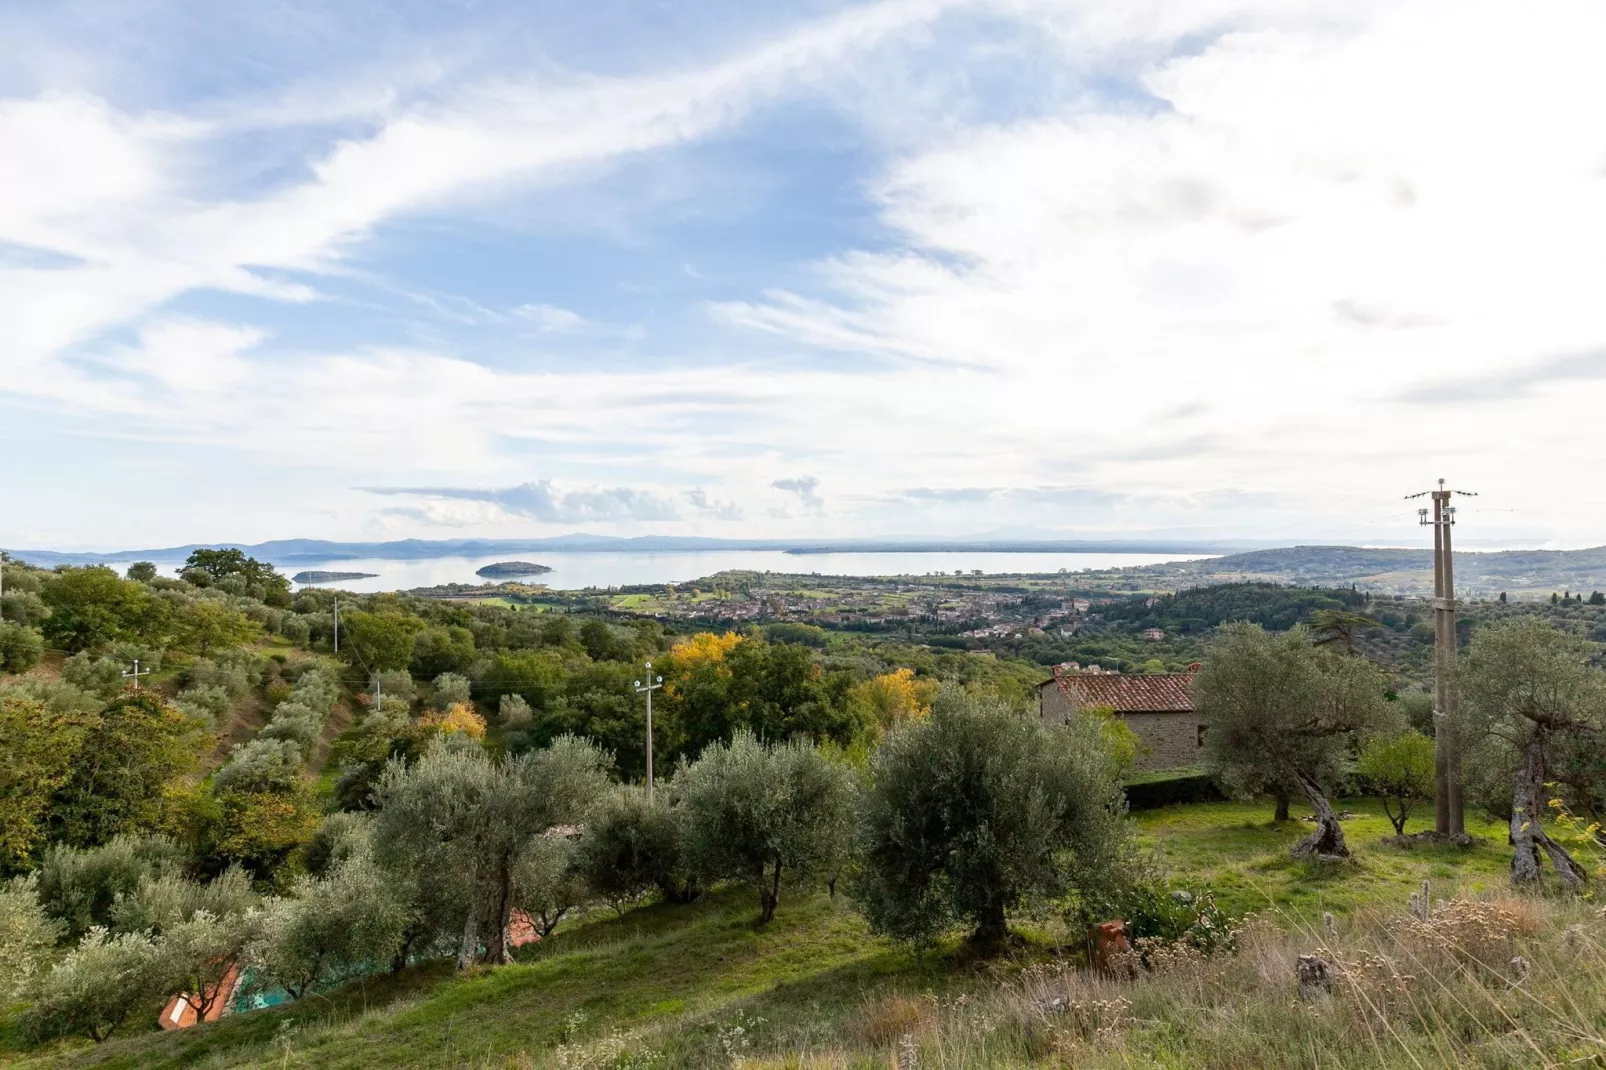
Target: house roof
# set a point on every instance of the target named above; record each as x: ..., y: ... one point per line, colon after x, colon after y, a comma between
x: 1157, y: 693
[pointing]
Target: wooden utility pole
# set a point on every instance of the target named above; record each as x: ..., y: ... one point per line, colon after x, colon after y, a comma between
x: 1449, y: 807
x: 653, y: 683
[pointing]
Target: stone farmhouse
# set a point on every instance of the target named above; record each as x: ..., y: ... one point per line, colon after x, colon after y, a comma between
x: 1158, y: 708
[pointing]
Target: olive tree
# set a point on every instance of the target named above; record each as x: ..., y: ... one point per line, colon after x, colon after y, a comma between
x: 81, y: 888
x: 1526, y: 690
x: 95, y: 987
x: 166, y: 900
x: 546, y: 884
x: 457, y: 814
x: 261, y: 765
x: 203, y: 950
x: 328, y: 928
x: 27, y: 935
x: 754, y: 811
x: 1283, y: 709
x: 449, y: 689
x: 632, y: 845
x: 980, y: 810
x: 98, y: 675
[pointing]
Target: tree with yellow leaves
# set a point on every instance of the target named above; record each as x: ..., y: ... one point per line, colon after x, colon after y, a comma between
x: 459, y: 717
x: 895, y: 697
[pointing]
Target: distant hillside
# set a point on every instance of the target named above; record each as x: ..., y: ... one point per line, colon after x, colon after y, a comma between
x: 1517, y: 572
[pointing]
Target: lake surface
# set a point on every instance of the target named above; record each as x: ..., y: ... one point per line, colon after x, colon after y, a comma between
x: 573, y: 571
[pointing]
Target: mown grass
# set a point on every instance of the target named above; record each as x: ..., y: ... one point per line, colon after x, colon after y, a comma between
x: 1236, y: 849
x: 678, y: 986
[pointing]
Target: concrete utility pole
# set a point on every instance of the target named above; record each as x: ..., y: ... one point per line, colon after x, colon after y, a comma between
x: 135, y: 674
x: 653, y: 683
x: 337, y: 626
x: 1449, y: 810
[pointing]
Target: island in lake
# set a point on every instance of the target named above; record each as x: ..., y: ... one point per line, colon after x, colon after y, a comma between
x: 512, y: 568
x: 331, y: 577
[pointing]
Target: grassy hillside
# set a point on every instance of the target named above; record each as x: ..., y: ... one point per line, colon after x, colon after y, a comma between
x: 696, y: 986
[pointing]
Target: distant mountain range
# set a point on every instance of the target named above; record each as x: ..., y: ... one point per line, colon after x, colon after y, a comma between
x: 298, y: 551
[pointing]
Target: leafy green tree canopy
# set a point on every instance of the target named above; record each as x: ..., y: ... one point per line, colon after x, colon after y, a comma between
x: 38, y: 749
x: 1401, y: 770
x: 378, y: 641
x: 93, y: 606
x: 131, y: 753
x: 20, y: 647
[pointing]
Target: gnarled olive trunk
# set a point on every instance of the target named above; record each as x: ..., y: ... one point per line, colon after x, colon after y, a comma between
x: 1327, y: 840
x: 674, y: 892
x: 1528, y: 836
x: 769, y: 894
x: 498, y: 949
x: 992, y: 927
x: 1281, y: 814
x: 468, y: 946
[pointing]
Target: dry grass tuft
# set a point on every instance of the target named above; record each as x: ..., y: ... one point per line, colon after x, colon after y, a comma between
x: 1496, y: 982
x: 886, y: 1020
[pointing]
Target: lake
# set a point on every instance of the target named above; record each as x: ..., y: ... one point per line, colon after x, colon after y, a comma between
x: 573, y: 571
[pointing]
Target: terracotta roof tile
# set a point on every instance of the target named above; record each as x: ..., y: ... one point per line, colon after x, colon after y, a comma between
x: 1158, y: 693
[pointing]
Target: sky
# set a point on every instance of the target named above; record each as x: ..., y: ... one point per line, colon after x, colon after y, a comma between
x: 1250, y: 269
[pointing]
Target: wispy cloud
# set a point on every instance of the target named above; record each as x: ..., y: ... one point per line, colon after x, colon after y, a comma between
x: 805, y: 487
x: 1519, y: 382
x: 543, y: 502
x: 703, y: 503
x: 551, y: 318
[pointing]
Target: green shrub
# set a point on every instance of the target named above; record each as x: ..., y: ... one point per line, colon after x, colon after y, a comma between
x: 20, y: 647
x: 1157, y: 914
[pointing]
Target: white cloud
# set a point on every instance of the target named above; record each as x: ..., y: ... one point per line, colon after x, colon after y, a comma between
x: 1315, y: 215
x: 551, y: 318
x: 1230, y: 290
x: 82, y: 179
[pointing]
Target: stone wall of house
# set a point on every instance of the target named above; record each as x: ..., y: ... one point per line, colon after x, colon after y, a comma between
x: 1052, y: 704
x: 1168, y: 740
